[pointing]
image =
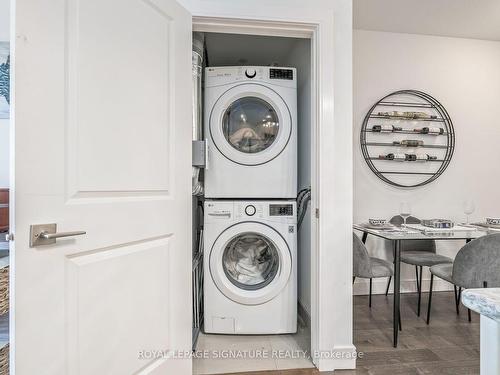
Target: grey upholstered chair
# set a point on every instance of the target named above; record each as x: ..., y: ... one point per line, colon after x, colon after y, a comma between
x: 477, y: 265
x: 419, y: 253
x: 368, y: 267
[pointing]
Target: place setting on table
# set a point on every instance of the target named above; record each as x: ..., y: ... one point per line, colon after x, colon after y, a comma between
x: 403, y: 228
x: 428, y: 227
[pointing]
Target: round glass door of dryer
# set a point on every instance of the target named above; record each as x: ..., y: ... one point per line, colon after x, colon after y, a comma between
x: 250, y: 124
x: 250, y: 263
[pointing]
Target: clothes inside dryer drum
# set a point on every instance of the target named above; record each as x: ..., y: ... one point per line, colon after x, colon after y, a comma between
x: 250, y: 261
x: 250, y: 124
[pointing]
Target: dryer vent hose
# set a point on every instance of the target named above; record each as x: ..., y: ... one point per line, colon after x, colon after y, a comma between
x: 197, y: 68
x: 303, y: 199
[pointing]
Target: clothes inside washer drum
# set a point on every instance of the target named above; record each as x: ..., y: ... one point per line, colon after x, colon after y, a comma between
x: 250, y: 261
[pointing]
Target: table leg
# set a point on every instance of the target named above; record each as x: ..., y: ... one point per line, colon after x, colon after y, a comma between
x: 397, y: 278
x: 468, y: 240
x: 365, y: 235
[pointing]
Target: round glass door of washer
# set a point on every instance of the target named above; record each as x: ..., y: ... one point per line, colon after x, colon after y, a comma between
x: 250, y: 263
x: 250, y: 124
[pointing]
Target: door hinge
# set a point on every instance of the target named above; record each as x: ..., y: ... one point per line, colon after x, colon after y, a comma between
x: 316, y: 213
x: 9, y: 237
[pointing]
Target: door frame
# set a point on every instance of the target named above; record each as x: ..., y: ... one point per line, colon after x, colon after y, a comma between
x: 306, y: 30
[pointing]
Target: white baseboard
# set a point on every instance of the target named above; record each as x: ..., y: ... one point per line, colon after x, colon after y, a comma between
x: 362, y: 286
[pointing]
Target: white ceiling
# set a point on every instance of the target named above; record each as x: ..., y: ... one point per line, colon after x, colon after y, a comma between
x: 477, y: 19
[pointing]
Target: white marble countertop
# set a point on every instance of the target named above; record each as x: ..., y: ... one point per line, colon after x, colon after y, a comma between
x: 484, y: 301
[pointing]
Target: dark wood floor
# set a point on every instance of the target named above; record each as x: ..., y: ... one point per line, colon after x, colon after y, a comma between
x: 448, y: 346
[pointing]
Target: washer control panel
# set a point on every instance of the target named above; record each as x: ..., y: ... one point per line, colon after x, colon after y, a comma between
x: 279, y: 211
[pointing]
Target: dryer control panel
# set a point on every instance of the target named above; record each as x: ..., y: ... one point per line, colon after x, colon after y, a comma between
x: 279, y: 76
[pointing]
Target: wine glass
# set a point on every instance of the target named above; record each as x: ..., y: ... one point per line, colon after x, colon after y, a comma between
x: 404, y: 212
x: 468, y: 208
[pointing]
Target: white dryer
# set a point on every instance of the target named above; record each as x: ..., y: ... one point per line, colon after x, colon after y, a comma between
x: 250, y: 265
x: 251, y: 130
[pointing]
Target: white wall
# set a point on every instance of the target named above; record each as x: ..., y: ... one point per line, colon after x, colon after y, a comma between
x: 464, y: 75
x: 4, y: 123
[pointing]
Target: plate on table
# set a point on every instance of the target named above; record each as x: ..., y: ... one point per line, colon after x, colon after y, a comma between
x: 493, y: 221
x: 384, y: 226
x: 377, y: 221
x: 426, y: 230
x: 487, y: 226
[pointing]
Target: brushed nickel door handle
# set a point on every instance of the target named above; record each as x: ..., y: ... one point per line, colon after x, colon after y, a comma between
x: 46, y: 234
x: 49, y: 236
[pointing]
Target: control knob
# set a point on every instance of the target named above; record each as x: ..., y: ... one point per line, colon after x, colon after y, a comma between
x: 250, y: 73
x: 250, y: 210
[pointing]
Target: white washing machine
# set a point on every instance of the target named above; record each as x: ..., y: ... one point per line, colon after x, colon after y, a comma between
x: 250, y: 265
x: 251, y: 130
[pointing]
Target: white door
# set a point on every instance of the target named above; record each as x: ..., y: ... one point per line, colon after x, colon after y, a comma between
x: 102, y: 99
x: 250, y: 124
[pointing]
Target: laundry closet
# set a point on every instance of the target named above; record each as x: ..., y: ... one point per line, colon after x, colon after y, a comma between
x: 252, y: 163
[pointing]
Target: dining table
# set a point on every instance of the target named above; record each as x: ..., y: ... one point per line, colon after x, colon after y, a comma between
x: 399, y: 234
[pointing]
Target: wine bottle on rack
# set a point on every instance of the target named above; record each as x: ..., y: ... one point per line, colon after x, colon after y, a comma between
x: 385, y: 128
x: 409, y: 143
x: 407, y: 157
x: 420, y: 157
x: 391, y: 156
x: 410, y: 115
x: 391, y: 114
x: 420, y: 115
x: 432, y: 131
x: 425, y: 157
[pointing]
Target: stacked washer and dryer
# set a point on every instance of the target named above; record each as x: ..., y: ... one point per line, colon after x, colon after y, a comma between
x: 250, y: 215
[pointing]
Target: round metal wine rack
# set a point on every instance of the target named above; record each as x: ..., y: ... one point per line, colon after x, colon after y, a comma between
x: 413, y: 153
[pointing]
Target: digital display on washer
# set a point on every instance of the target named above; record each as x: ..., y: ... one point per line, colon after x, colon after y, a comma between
x: 281, y: 74
x: 281, y: 210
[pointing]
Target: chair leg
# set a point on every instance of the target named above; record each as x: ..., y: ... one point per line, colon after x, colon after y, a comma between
x: 388, y: 284
x: 419, y: 291
x: 457, y: 301
x: 430, y: 300
x: 400, y: 326
x: 353, y: 278
x: 370, y: 300
x: 459, y: 296
x: 485, y: 284
x: 416, y: 277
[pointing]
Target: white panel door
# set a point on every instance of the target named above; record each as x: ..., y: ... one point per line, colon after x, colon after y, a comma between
x: 102, y: 99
